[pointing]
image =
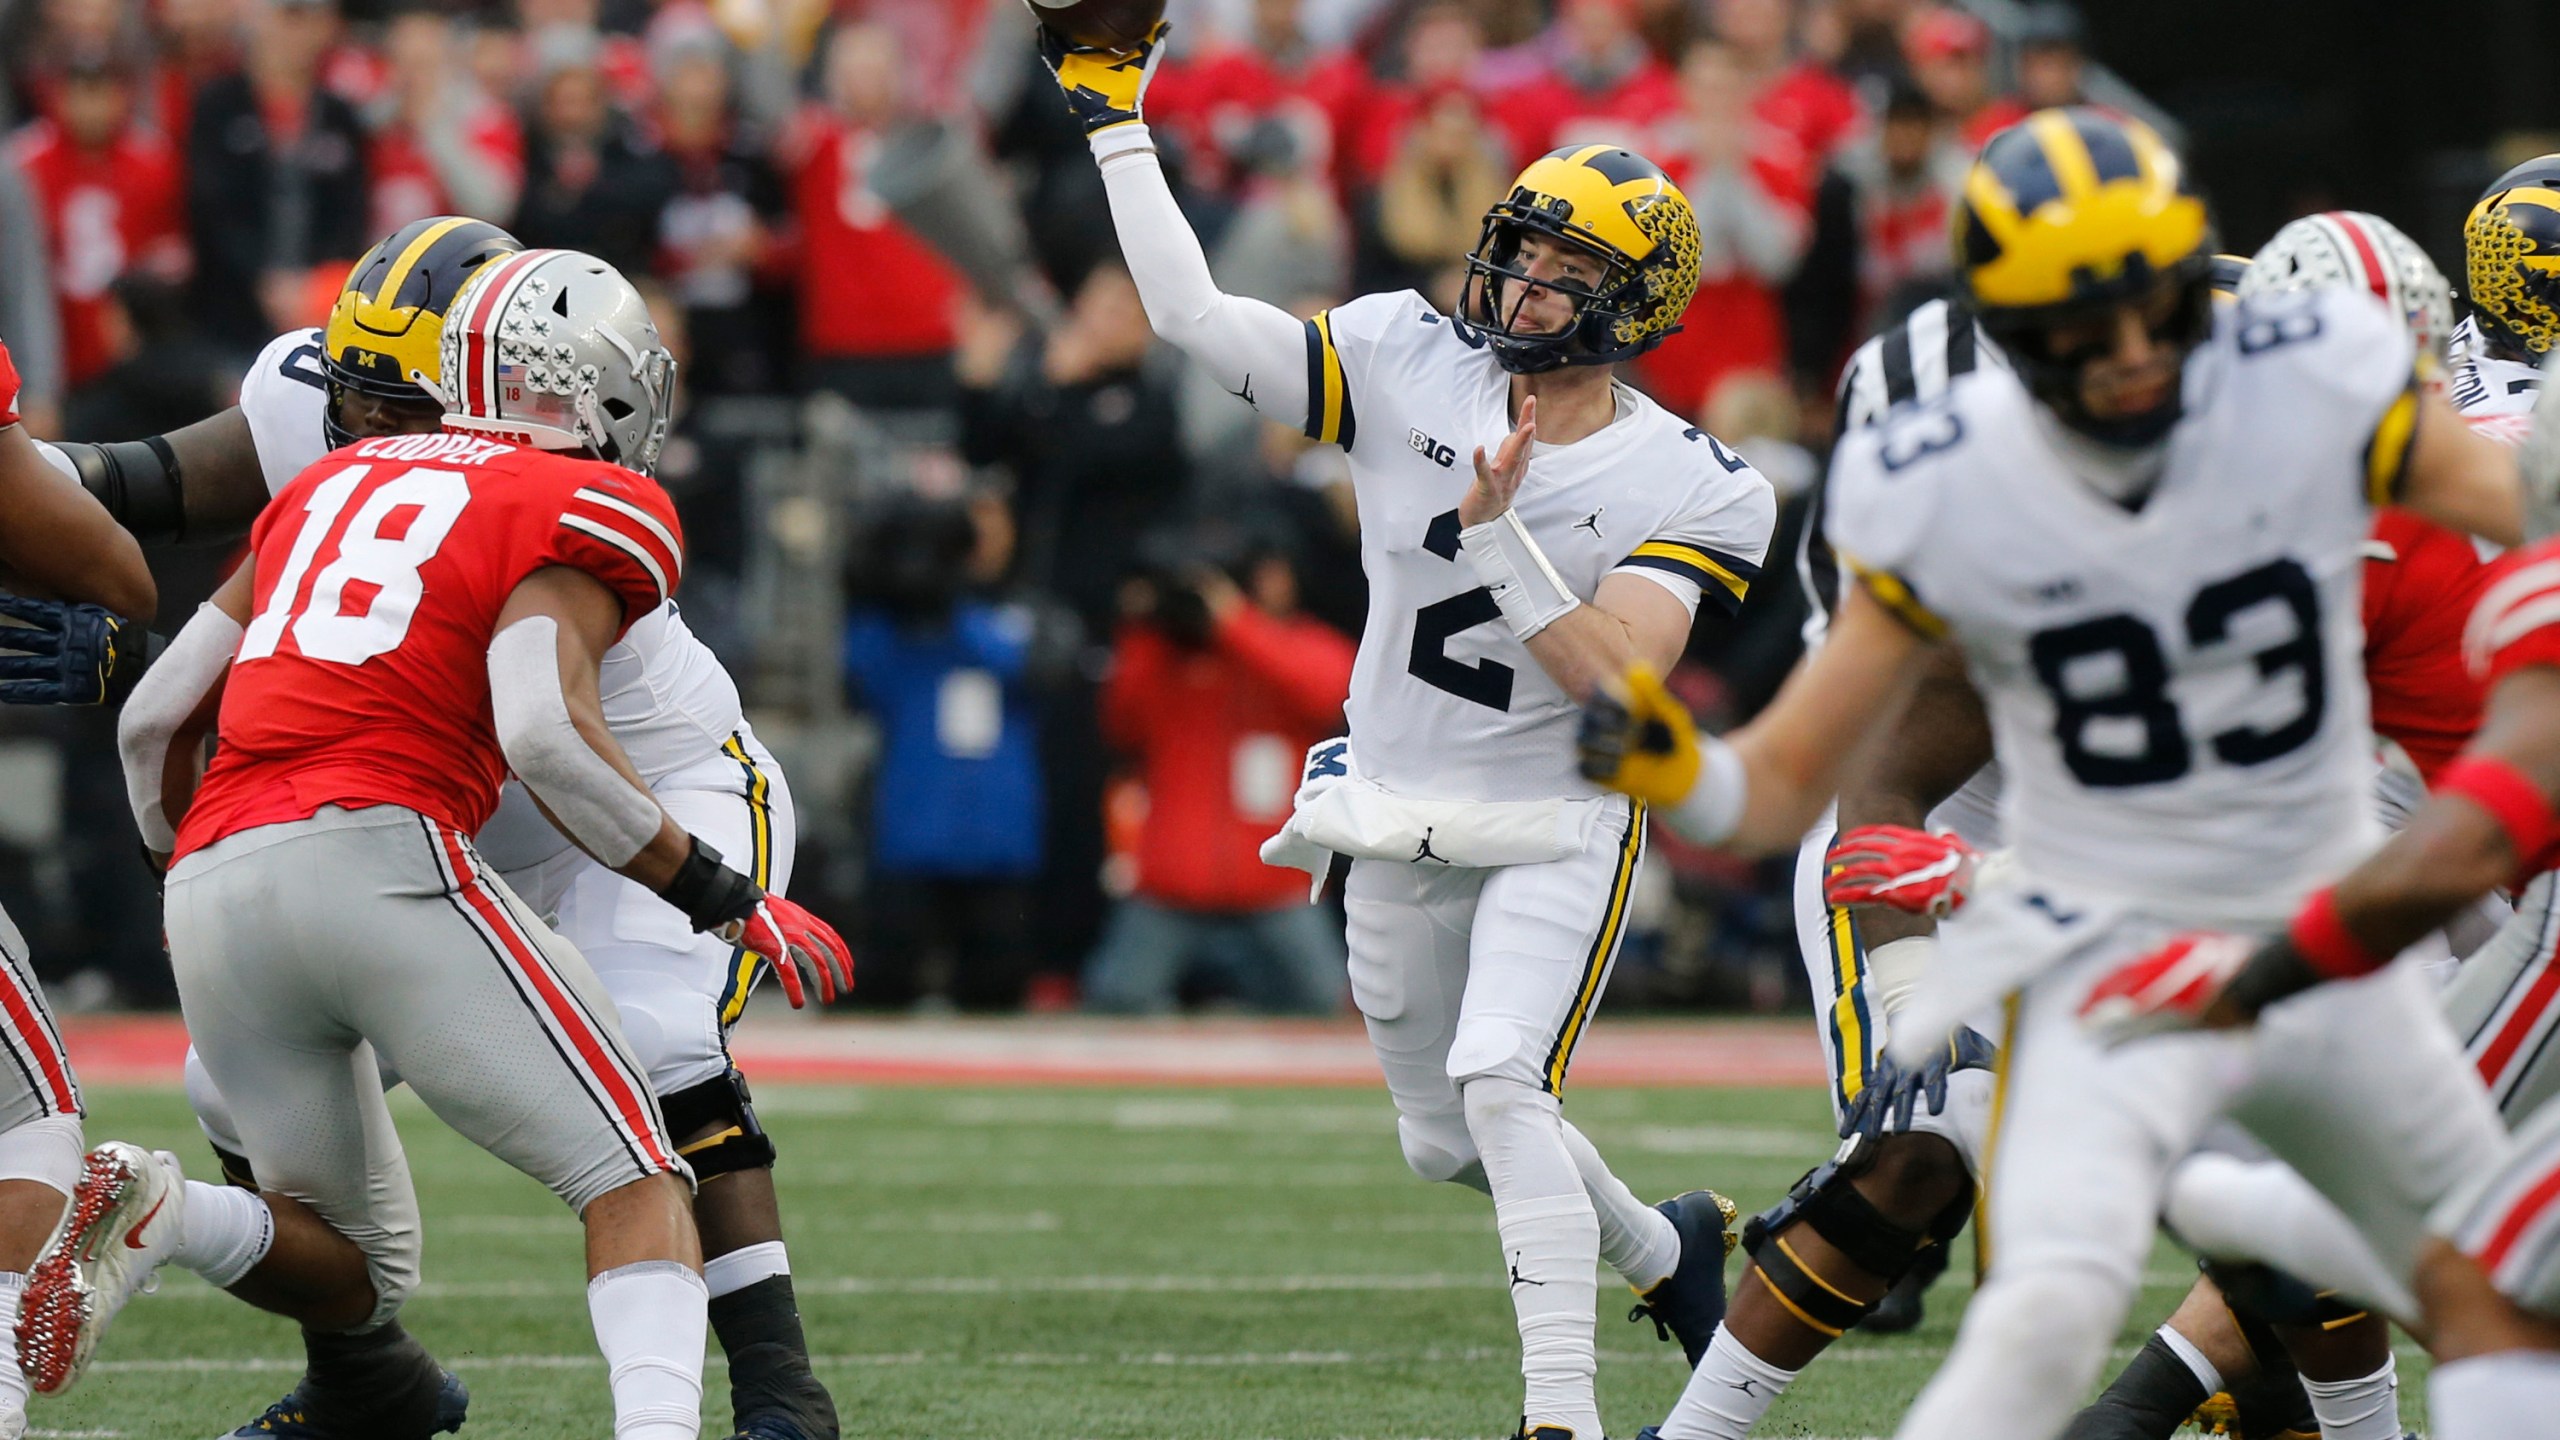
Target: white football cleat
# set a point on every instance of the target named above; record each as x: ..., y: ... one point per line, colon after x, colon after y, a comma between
x: 124, y: 1222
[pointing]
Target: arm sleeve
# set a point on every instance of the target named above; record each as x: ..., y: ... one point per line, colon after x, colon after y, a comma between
x: 168, y: 694
x: 607, y: 815
x: 621, y: 529
x: 1714, y: 548
x: 1258, y: 352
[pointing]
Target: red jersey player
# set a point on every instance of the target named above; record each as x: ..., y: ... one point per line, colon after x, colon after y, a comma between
x: 419, y: 615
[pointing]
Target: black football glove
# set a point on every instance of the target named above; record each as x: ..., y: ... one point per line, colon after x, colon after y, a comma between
x: 1104, y: 87
x: 1886, y: 1104
x: 60, y: 653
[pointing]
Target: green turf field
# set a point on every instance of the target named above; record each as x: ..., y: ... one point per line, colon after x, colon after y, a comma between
x: 1061, y: 1262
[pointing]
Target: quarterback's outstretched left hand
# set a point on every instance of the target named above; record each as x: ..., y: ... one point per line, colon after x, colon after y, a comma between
x: 789, y: 937
x: 1900, y: 868
x: 1637, y: 739
x: 64, y: 654
x: 1105, y: 88
x: 2185, y: 984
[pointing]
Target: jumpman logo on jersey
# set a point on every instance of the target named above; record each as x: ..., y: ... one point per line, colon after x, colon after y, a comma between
x: 1518, y: 1279
x: 1591, y: 522
x: 1245, y: 394
x: 1424, y: 851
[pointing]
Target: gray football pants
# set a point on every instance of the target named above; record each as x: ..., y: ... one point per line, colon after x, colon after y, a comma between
x: 303, y: 949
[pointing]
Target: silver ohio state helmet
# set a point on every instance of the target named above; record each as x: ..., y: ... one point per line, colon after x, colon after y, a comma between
x: 2350, y: 247
x: 553, y: 349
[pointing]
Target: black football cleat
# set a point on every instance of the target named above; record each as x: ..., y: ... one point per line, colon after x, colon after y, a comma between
x: 771, y: 1427
x: 287, y: 1419
x: 1688, y: 1304
x: 1547, y: 1432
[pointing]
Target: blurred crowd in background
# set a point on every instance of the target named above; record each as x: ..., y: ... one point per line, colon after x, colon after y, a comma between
x: 1041, y: 621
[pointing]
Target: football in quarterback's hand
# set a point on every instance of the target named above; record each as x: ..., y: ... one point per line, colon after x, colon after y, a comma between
x: 1111, y: 24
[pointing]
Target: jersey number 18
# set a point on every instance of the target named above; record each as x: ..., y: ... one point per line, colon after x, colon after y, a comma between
x: 378, y: 570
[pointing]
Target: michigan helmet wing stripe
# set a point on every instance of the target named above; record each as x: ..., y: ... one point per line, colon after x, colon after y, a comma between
x: 387, y: 294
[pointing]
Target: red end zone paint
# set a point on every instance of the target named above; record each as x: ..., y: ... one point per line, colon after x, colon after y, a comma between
x: 152, y: 1049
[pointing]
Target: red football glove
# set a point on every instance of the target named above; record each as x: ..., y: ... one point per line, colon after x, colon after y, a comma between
x: 1901, y: 868
x: 2183, y: 985
x: 788, y: 937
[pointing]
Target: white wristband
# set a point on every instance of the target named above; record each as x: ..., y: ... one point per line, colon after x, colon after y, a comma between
x: 1532, y: 595
x: 1712, y: 810
x: 1109, y: 145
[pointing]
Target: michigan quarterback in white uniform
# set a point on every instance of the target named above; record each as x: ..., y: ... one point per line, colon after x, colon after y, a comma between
x: 673, y: 709
x: 1488, y: 884
x: 2145, y: 542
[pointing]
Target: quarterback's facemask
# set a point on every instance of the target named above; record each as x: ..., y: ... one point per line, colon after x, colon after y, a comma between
x: 2070, y: 216
x: 1613, y: 205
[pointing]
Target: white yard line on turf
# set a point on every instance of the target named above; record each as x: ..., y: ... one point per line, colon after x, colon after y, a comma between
x: 1056, y: 1359
x: 1193, y: 1284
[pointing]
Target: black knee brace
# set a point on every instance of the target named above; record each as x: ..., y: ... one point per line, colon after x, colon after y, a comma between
x: 738, y: 1144
x: 2262, y: 1295
x: 1831, y: 1206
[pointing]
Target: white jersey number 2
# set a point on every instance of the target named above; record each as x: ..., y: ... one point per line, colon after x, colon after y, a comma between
x: 365, y: 559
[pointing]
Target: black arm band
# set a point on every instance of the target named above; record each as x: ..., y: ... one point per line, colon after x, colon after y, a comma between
x: 139, y: 481
x: 2275, y: 973
x: 709, y: 893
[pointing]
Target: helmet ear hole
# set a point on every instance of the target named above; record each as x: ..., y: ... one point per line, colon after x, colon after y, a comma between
x: 619, y: 408
x: 560, y: 304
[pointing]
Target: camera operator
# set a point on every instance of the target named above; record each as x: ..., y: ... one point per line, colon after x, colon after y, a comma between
x: 1218, y: 687
x: 956, y: 818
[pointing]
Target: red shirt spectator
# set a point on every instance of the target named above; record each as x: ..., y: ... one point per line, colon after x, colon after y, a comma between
x: 1603, y: 84
x: 1802, y: 97
x: 441, y: 144
x: 1443, y: 50
x: 1752, y: 186
x: 1218, y: 731
x: 1950, y: 56
x: 1211, y: 102
x: 114, y: 198
x: 869, y: 286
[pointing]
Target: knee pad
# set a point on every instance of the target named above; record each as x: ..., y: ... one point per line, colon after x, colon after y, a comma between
x: 738, y: 1143
x: 47, y: 1150
x: 1827, y: 1202
x: 1438, y: 1147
